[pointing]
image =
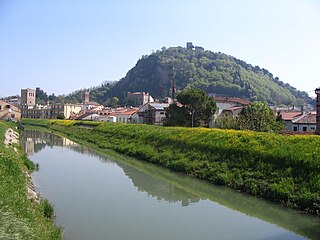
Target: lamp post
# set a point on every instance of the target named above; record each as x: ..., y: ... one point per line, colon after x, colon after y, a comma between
x: 317, y: 91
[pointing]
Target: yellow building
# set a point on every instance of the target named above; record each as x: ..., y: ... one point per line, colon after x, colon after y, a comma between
x: 51, y: 111
x: 9, y: 111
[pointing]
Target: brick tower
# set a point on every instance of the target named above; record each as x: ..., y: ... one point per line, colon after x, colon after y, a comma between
x: 86, y: 97
x: 28, y: 97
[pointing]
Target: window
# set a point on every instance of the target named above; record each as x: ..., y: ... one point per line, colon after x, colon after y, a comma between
x: 304, y: 129
x: 13, y: 116
x: 295, y: 129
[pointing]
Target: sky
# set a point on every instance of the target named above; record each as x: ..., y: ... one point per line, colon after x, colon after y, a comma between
x: 65, y: 45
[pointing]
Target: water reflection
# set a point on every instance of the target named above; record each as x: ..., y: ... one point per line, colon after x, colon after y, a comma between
x: 34, y: 141
x: 165, y: 185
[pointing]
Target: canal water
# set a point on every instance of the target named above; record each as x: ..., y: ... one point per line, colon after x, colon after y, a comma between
x: 108, y: 196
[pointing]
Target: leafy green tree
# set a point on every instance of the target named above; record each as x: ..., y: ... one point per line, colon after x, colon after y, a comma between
x: 52, y: 97
x: 60, y: 116
x: 41, y: 96
x: 112, y: 102
x: 177, y: 116
x: 225, y: 121
x: 197, y: 110
x: 258, y: 117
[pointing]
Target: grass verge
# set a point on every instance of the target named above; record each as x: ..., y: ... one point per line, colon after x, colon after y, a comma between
x: 20, y: 217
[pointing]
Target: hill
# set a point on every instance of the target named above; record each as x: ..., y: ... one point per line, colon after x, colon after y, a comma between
x: 216, y: 73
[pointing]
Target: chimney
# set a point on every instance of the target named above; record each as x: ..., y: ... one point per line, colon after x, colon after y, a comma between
x: 317, y: 91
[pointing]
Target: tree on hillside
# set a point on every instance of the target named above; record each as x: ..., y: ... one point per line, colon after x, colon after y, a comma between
x: 197, y: 110
x: 41, y: 96
x: 114, y: 102
x: 259, y: 117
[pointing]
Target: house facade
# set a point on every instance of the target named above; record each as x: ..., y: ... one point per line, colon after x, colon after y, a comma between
x: 227, y: 103
x: 137, y: 99
x: 232, y: 111
x: 127, y: 116
x: 298, y: 121
x: 9, y: 111
x: 152, y: 113
x: 228, y: 106
x: 305, y: 123
x: 51, y: 111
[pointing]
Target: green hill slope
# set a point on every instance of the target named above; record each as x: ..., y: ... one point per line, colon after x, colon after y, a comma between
x: 216, y: 73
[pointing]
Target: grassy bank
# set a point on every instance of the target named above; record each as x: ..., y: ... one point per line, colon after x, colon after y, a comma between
x: 281, y: 168
x: 20, y: 217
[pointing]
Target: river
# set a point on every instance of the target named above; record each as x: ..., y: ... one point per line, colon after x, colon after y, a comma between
x: 104, y: 195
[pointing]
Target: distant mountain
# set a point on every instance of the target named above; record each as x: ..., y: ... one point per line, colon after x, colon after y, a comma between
x: 216, y: 73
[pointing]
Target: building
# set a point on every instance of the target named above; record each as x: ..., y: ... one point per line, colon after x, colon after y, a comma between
x: 230, y: 106
x: 9, y: 112
x: 299, y: 121
x: 226, y: 102
x: 51, y: 111
x: 305, y: 123
x: 198, y: 48
x: 28, y: 97
x: 14, y: 101
x: 190, y: 45
x: 137, y: 99
x: 288, y: 117
x: 127, y: 116
x: 86, y: 97
x: 232, y: 111
x: 153, y: 113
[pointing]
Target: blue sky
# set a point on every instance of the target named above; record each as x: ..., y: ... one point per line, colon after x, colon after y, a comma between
x: 65, y: 45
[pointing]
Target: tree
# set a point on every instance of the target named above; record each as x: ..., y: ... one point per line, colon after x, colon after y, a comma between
x: 258, y: 117
x: 112, y: 102
x: 177, y: 116
x: 197, y: 109
x: 60, y: 116
x: 41, y: 96
x: 225, y: 121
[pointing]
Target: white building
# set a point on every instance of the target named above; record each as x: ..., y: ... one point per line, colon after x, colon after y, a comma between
x: 153, y: 113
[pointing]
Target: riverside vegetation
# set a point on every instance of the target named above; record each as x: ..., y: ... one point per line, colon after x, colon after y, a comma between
x: 280, y: 168
x: 20, y: 216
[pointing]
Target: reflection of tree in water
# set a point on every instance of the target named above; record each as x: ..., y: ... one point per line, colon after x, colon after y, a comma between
x: 148, y: 182
x: 159, y: 188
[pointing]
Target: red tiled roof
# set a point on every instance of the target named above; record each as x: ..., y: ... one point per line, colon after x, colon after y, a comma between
x: 288, y: 116
x: 309, y: 118
x: 236, y: 100
x: 128, y: 111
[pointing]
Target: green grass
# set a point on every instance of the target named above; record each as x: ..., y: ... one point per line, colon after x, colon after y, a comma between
x: 20, y: 218
x: 280, y: 168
